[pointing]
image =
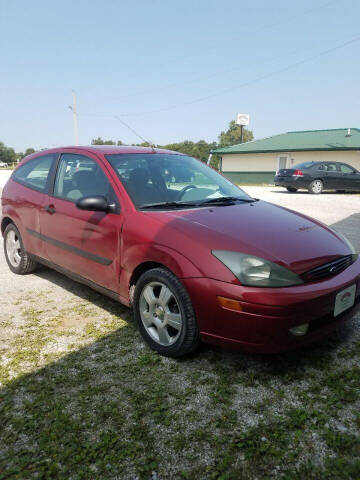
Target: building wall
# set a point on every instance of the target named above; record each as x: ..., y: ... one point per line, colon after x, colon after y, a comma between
x: 261, y: 167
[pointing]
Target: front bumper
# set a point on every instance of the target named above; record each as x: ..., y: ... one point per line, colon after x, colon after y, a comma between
x: 268, y: 313
x: 290, y: 181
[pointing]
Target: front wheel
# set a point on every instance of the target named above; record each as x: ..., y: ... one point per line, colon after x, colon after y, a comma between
x: 316, y: 187
x: 16, y: 257
x: 291, y: 189
x: 164, y: 313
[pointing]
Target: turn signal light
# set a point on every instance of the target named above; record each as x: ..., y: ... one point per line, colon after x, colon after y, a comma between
x: 298, y: 173
x: 230, y: 303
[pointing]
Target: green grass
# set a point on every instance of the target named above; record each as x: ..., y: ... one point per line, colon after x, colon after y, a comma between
x: 81, y: 397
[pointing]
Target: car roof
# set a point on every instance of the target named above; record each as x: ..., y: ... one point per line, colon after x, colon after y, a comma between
x: 110, y: 149
x: 328, y: 161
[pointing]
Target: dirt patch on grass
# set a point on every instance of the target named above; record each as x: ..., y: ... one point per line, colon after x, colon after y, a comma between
x: 82, y: 397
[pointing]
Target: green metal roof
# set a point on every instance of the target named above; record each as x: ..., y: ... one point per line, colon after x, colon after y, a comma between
x: 308, y: 140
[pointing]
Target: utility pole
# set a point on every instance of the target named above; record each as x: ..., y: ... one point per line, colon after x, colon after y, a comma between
x: 75, y: 116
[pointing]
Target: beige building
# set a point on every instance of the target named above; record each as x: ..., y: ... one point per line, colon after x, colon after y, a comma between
x: 258, y: 161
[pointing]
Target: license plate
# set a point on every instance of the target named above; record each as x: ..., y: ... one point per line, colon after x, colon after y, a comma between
x: 344, y: 300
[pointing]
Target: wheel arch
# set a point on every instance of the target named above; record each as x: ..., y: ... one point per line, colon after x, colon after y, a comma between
x: 5, y: 222
x: 140, y: 270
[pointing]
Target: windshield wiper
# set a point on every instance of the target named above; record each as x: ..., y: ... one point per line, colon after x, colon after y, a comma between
x: 211, y: 201
x: 168, y: 205
x: 228, y: 200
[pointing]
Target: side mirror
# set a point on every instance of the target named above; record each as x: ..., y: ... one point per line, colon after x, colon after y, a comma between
x: 96, y: 203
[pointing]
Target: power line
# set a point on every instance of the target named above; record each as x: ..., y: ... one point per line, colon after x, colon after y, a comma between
x: 251, y: 33
x: 227, y: 90
x: 250, y: 82
x: 220, y: 72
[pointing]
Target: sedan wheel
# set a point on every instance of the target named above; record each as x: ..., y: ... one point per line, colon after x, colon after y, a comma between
x: 316, y: 187
x: 164, y: 313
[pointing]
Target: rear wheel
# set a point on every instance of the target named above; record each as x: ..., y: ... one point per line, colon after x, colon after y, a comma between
x: 16, y: 257
x: 164, y: 313
x: 291, y: 189
x: 316, y: 187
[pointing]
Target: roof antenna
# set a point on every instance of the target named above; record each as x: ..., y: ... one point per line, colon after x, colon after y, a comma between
x: 133, y: 131
x: 348, y: 133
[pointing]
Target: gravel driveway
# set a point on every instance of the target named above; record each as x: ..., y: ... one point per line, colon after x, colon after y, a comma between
x: 81, y: 397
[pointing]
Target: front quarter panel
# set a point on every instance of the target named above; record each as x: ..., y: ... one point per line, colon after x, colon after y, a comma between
x: 143, y: 241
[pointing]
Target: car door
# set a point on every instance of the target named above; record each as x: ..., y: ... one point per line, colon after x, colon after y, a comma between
x: 32, y: 180
x: 86, y: 243
x: 350, y: 177
x: 332, y: 177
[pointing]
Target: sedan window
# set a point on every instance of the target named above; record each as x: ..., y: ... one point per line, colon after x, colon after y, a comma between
x: 302, y: 165
x: 345, y: 168
x: 331, y: 167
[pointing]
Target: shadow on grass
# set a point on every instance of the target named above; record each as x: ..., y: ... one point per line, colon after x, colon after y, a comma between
x: 106, y: 409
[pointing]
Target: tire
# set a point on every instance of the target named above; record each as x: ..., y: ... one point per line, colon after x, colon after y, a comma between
x: 160, y: 298
x: 316, y: 187
x: 16, y: 257
x: 291, y: 189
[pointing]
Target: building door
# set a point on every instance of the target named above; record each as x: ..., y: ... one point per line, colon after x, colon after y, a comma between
x: 282, y: 161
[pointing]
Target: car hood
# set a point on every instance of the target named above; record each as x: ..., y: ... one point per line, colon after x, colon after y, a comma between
x: 261, y: 229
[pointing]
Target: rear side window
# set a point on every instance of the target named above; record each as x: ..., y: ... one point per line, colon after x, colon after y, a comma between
x: 35, y: 173
x: 345, y: 168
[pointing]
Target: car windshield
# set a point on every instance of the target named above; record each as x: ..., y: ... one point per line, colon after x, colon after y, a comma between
x: 298, y: 166
x: 171, y: 180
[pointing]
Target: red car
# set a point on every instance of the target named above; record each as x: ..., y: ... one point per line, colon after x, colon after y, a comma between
x: 196, y: 257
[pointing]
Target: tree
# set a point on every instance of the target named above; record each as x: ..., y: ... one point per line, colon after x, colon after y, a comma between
x: 29, y: 151
x: 100, y: 141
x: 232, y: 136
x: 7, y: 154
x: 200, y: 149
x: 21, y: 155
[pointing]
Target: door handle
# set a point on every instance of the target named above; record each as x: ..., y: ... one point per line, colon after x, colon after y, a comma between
x: 50, y: 209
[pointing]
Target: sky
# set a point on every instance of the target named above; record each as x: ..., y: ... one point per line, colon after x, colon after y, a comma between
x: 175, y: 70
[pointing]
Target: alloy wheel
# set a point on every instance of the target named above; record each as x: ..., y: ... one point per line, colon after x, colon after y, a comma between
x: 160, y: 313
x: 13, y: 248
x: 317, y: 186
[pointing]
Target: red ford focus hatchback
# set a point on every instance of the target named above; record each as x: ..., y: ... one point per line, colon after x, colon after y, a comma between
x: 195, y: 256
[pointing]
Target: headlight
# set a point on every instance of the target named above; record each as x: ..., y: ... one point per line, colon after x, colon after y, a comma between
x: 354, y: 253
x: 255, y: 271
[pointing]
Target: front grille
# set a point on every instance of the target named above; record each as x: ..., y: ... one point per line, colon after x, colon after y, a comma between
x: 328, y: 269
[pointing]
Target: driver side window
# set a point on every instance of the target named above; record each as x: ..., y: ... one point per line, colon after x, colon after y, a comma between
x: 78, y: 176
